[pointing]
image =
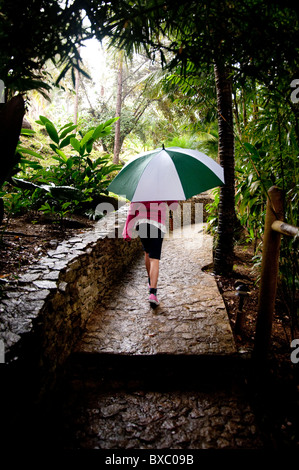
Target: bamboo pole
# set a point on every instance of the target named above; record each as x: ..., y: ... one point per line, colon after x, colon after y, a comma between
x: 285, y: 229
x: 269, y: 274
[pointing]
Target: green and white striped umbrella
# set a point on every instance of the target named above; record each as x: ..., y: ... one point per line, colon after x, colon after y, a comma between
x: 168, y: 174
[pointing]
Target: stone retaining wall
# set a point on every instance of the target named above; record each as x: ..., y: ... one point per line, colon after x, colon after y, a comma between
x: 44, y: 312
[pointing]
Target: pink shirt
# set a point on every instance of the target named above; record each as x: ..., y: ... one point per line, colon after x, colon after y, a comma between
x: 153, y: 212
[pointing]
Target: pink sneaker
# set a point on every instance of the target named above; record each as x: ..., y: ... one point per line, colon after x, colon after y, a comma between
x: 154, y: 302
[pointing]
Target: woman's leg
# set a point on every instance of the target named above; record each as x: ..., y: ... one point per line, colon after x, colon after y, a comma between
x: 152, y: 248
x: 152, y: 268
x: 154, y: 257
x: 154, y: 272
x: 147, y: 263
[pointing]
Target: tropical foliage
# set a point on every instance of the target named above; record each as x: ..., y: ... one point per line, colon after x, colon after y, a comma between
x: 21, y: 64
x: 219, y: 91
x: 75, y: 180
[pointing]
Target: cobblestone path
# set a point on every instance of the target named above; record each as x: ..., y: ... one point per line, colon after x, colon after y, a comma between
x: 167, y: 378
x: 191, y: 318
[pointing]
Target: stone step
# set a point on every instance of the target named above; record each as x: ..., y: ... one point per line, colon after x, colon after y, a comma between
x: 157, y: 402
x: 179, y: 372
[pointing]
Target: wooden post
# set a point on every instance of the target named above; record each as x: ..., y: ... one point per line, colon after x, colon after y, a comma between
x: 269, y: 274
x: 285, y: 229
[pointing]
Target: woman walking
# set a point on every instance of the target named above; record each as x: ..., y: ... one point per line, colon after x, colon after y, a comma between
x: 148, y: 218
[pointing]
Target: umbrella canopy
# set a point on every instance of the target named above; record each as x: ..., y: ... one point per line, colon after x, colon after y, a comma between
x: 168, y: 174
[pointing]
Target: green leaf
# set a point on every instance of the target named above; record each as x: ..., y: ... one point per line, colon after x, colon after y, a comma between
x: 252, y: 201
x: 110, y: 121
x: 66, y: 205
x: 84, y: 73
x: 90, y: 163
x: 52, y: 132
x: 46, y: 207
x: 106, y: 131
x: 66, y: 125
x: 67, y: 130
x: 252, y: 150
x: 53, y: 147
x: 103, y: 129
x: 69, y: 163
x: 58, y: 158
x: 30, y: 164
x: 89, y: 145
x: 87, y: 137
x: 43, y: 120
x: 62, y: 155
x: 254, y: 186
x: 75, y: 144
x: 27, y: 131
x: 63, y: 73
x: 98, y: 132
x: 30, y: 152
x: 101, y: 160
x: 66, y: 141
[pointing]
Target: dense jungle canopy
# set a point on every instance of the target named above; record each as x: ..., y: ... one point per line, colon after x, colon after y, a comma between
x: 228, y: 67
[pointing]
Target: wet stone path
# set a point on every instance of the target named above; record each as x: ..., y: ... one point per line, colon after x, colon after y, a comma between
x: 168, y: 378
x: 191, y: 317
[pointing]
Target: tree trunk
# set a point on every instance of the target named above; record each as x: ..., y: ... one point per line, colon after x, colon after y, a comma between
x: 224, y: 252
x: 11, y: 118
x: 76, y: 105
x: 117, y: 143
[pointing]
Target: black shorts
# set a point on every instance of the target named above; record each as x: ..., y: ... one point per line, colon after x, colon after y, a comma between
x: 151, y: 238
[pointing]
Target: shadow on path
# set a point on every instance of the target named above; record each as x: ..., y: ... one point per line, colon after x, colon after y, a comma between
x: 168, y: 378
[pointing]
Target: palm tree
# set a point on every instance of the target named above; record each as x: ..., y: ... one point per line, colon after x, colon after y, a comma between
x: 223, y: 259
x: 149, y: 26
x: 208, y: 33
x: 119, y: 99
